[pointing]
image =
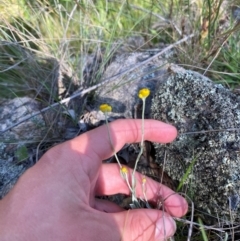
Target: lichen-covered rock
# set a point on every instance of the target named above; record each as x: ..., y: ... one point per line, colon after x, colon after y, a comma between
x: 202, y: 112
x: 16, y: 145
x: 9, y: 174
x: 12, y: 111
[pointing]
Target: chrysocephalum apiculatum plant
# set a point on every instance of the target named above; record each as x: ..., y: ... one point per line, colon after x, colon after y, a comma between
x: 105, y: 108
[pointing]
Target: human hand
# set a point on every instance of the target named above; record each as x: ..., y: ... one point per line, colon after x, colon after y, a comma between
x: 55, y: 199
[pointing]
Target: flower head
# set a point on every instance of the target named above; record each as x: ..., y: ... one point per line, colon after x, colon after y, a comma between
x: 105, y: 108
x: 143, y: 93
x: 124, y: 170
x: 144, y: 180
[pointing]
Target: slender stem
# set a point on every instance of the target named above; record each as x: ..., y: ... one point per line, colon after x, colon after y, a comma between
x: 124, y: 175
x: 144, y: 189
x: 127, y: 181
x: 142, y: 139
x: 111, y: 143
x: 141, y: 151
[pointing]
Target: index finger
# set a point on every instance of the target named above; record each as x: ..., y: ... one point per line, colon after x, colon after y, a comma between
x: 97, y: 142
x: 87, y: 151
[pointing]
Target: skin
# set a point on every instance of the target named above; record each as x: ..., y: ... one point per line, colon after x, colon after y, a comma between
x: 56, y: 198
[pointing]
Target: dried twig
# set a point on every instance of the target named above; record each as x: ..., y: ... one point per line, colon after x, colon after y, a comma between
x: 191, y: 223
x: 83, y: 92
x: 197, y: 224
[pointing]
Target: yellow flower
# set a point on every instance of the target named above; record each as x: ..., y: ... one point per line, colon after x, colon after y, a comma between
x: 124, y: 170
x: 144, y: 180
x: 143, y: 93
x: 105, y: 108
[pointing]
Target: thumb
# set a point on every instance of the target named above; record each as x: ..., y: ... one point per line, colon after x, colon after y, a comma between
x: 145, y: 225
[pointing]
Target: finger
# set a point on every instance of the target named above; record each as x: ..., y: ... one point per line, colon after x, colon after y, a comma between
x: 110, y: 182
x: 123, y: 131
x: 84, y: 154
x: 96, y: 146
x: 145, y: 224
x: 107, y: 206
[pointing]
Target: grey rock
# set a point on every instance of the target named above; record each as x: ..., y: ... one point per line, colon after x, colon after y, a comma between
x: 122, y: 93
x: 12, y: 111
x: 92, y: 66
x: 9, y: 174
x: 202, y: 112
x: 26, y: 135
